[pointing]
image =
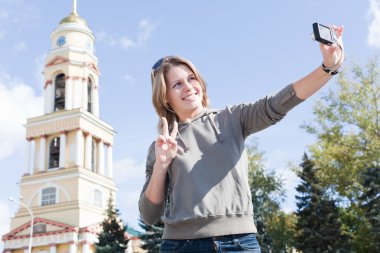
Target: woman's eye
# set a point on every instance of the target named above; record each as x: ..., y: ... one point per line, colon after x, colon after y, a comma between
x: 176, y: 85
x: 192, y: 78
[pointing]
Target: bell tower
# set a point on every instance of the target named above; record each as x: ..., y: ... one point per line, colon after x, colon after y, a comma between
x: 69, y: 175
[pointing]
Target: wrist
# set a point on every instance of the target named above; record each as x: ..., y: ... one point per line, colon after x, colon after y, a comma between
x: 161, y: 167
x: 329, y: 70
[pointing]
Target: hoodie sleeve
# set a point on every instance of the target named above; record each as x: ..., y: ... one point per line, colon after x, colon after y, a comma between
x: 150, y: 212
x: 266, y: 111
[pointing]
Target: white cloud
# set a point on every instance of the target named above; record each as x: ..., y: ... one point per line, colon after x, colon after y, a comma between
x: 145, y: 30
x: 38, y: 74
x: 129, y: 78
x: 4, y: 15
x: 126, y: 42
x: 374, y: 25
x: 17, y: 102
x: 128, y: 169
x: 129, y: 175
x: 279, y: 160
x: 20, y: 46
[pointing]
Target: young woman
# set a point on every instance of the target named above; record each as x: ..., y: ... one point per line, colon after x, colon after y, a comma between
x: 196, y: 170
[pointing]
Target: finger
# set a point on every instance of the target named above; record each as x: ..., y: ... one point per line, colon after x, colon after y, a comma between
x: 162, y: 142
x: 172, y: 142
x: 174, y: 132
x: 165, y: 129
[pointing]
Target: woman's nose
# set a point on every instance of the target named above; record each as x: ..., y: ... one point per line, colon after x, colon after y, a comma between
x: 188, y: 85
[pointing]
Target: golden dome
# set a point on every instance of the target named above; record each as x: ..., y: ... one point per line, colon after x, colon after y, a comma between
x: 74, y: 18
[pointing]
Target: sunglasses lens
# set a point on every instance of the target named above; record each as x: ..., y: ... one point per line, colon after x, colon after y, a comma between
x: 157, y: 65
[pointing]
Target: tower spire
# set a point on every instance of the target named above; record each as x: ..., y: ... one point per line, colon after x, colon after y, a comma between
x: 75, y: 7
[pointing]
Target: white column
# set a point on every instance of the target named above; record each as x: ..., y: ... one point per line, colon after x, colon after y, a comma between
x: 42, y: 153
x: 49, y: 98
x: 95, y: 100
x: 101, y: 157
x: 79, y: 148
x: 68, y: 94
x: 109, y: 161
x: 62, y: 150
x: 72, y: 247
x: 88, y: 149
x: 86, y: 247
x: 30, y: 161
x: 53, y: 248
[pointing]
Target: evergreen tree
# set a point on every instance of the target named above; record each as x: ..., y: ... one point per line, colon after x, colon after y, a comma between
x: 152, y: 237
x: 318, y: 222
x: 112, y: 239
x: 371, y: 203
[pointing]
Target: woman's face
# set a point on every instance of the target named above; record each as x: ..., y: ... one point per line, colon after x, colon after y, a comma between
x: 183, y: 92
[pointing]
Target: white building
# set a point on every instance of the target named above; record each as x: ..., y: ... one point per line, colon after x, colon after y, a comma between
x: 69, y: 175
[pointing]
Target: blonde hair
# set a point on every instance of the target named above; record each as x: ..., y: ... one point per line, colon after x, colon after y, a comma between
x: 158, y: 76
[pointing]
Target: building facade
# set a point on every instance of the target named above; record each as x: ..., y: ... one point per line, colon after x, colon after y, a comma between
x: 69, y: 176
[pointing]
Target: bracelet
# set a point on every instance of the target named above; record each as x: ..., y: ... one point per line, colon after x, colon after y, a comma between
x: 329, y: 71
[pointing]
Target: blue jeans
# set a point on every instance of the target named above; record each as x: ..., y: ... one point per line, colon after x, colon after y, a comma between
x: 228, y: 243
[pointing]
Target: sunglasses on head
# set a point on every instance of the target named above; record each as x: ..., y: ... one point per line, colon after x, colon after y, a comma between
x: 158, y: 64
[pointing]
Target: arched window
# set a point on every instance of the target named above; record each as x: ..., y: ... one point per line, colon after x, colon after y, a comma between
x: 89, y: 95
x: 49, y: 196
x: 93, y: 154
x: 54, y: 153
x: 98, y: 198
x: 59, y: 99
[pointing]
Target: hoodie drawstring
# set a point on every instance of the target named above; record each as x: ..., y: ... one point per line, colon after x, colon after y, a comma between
x: 216, y: 130
x: 183, y: 142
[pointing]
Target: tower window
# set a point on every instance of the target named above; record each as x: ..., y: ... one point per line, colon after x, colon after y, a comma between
x: 89, y: 95
x: 48, y: 196
x: 98, y: 198
x: 59, y: 99
x: 54, y: 153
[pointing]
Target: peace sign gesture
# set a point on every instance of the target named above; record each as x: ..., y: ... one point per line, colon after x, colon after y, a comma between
x: 166, y: 145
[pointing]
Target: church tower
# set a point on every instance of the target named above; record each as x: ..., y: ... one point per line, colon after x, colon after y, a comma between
x: 68, y: 179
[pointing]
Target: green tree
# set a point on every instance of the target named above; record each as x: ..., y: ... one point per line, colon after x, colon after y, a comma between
x: 282, y: 230
x: 112, y: 238
x: 347, y: 127
x: 318, y: 222
x: 151, y: 239
x: 370, y: 202
x: 267, y: 193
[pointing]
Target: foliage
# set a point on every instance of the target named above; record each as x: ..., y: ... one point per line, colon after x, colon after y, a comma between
x: 347, y: 127
x: 112, y: 239
x: 151, y: 239
x: 282, y: 230
x: 370, y: 202
x: 267, y: 193
x: 318, y: 222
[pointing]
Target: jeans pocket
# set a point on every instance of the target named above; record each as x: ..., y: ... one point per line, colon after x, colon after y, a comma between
x: 248, y: 243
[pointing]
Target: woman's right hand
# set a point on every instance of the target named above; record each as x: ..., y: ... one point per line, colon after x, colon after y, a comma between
x: 166, y: 144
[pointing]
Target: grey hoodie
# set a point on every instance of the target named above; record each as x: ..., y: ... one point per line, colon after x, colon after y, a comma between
x: 207, y: 186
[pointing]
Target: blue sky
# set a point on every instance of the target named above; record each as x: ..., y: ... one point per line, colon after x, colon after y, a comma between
x: 244, y: 50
